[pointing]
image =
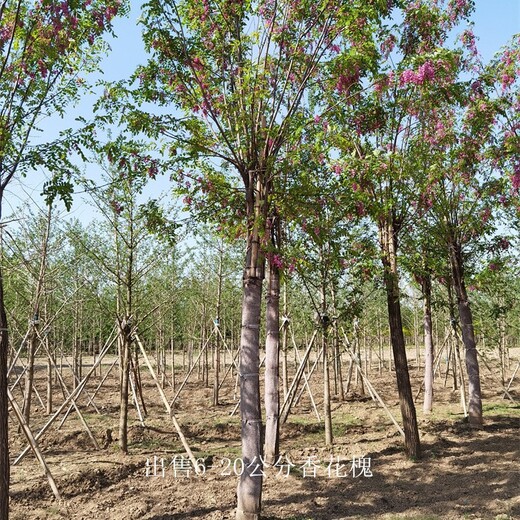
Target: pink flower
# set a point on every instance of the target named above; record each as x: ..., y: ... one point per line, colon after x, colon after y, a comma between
x: 275, y: 260
x: 388, y: 45
x: 506, y: 81
x: 426, y: 72
x: 407, y: 76
x: 468, y: 39
x: 116, y: 206
x: 515, y: 179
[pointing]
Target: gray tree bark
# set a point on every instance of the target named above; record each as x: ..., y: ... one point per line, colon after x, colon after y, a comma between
x: 249, y: 492
x: 124, y: 382
x: 428, y: 344
x: 4, y: 403
x: 468, y: 335
x: 272, y: 356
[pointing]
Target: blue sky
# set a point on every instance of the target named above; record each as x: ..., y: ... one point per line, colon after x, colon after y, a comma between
x: 496, y: 21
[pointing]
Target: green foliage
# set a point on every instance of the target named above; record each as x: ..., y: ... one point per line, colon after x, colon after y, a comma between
x: 44, y: 46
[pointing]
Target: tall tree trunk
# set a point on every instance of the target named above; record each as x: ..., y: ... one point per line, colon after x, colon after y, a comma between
x: 216, y: 381
x: 468, y: 335
x: 272, y: 357
x: 325, y: 321
x: 337, y: 352
x: 250, y: 486
x: 124, y: 381
x: 285, y: 327
x: 327, y: 414
x: 249, y: 491
x: 388, y: 240
x: 50, y: 362
x: 35, y: 318
x: 29, y: 375
x: 4, y: 432
x: 428, y: 344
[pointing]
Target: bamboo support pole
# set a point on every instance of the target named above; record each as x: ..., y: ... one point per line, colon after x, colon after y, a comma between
x: 98, y: 387
x: 491, y: 372
x: 305, y: 377
x: 135, y: 398
x: 66, y: 393
x: 511, y: 380
x: 168, y: 406
x: 462, y: 382
x: 369, y: 385
x: 72, y: 395
x: 193, y: 366
x: 286, y: 406
x: 33, y: 444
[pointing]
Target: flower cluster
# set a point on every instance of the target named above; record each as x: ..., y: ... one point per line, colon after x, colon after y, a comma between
x: 425, y: 73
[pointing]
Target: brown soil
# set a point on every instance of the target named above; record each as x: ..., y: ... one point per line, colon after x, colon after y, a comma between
x: 464, y: 473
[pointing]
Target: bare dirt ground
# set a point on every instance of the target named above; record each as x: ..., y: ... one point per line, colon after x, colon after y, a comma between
x: 464, y: 473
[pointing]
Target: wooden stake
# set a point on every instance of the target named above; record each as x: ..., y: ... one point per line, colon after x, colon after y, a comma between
x: 33, y: 444
x: 72, y: 395
x: 168, y: 406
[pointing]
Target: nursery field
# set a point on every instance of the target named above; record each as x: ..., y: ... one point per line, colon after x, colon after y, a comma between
x: 259, y: 259
x: 464, y: 473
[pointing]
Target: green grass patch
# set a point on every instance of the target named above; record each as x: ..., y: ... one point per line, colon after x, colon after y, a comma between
x: 506, y: 408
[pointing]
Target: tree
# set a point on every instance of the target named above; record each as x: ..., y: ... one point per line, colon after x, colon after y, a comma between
x: 380, y: 147
x: 238, y: 71
x: 128, y: 261
x: 43, y: 46
x: 463, y: 193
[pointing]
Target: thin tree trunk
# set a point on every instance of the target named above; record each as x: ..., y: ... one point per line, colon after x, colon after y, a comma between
x: 327, y: 414
x: 388, y: 241
x: 416, y: 337
x: 359, y: 380
x: 172, y: 358
x: 4, y: 403
x: 428, y: 344
x: 285, y: 376
x: 272, y: 356
x: 502, y: 349
x: 29, y: 374
x: 468, y: 336
x: 49, y: 379
x: 337, y: 352
x: 124, y: 381
x: 216, y: 381
x: 35, y: 318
